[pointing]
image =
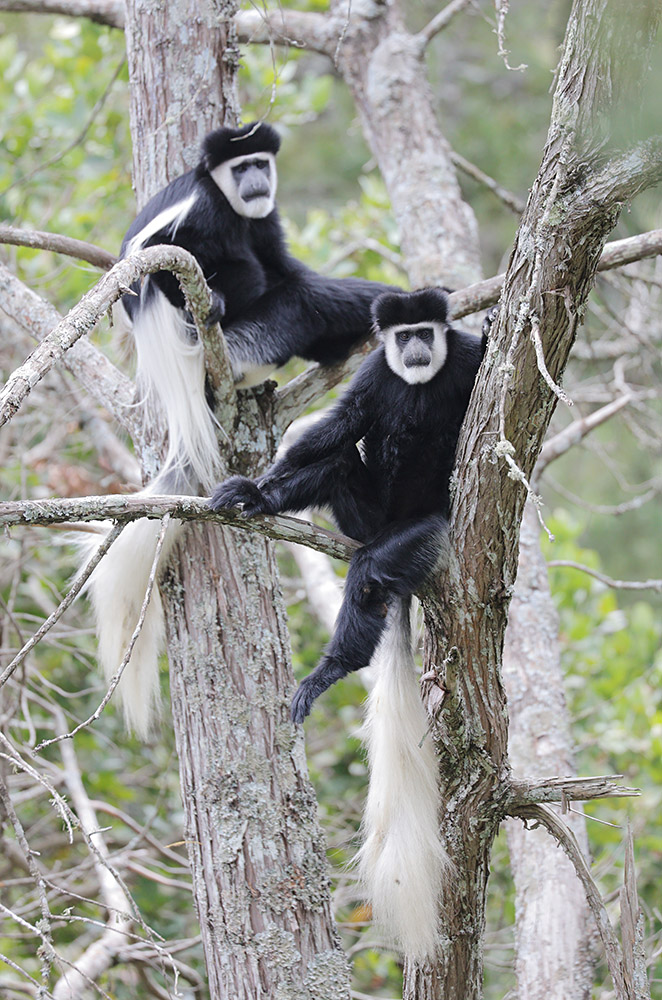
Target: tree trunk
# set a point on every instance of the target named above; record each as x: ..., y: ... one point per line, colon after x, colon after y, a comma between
x: 554, y: 927
x: 257, y: 853
x: 260, y: 876
x: 572, y: 206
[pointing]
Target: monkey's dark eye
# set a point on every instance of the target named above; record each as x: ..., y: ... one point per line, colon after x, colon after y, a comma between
x: 426, y: 334
x: 403, y: 336
x: 261, y: 164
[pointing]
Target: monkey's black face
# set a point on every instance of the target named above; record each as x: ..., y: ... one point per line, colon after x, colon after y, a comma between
x: 249, y: 184
x: 417, y: 352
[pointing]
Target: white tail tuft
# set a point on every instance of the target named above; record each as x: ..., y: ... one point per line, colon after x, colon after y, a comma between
x: 171, y: 378
x: 117, y: 590
x: 402, y: 863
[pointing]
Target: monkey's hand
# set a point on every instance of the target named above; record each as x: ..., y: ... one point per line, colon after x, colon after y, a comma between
x: 217, y: 309
x: 489, y: 320
x: 238, y: 491
x: 327, y: 672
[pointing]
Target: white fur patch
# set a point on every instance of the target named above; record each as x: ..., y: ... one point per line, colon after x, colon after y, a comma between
x: 417, y: 373
x: 170, y: 218
x: 258, y: 208
x: 402, y: 863
x: 117, y: 590
x: 171, y: 377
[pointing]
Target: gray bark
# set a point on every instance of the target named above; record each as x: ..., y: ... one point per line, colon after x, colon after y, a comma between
x: 572, y: 206
x: 257, y: 854
x: 553, y: 954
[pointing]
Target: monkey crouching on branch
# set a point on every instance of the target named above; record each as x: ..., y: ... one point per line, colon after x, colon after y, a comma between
x: 382, y: 461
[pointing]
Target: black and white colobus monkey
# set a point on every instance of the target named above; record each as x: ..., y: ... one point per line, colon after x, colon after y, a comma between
x: 382, y: 461
x: 272, y: 307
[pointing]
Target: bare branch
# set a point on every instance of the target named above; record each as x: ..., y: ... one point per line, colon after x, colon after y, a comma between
x: 577, y: 431
x: 512, y: 201
x: 101, y: 379
x: 620, y: 252
x: 301, y: 29
x: 83, y: 317
x: 655, y: 585
x: 130, y: 508
x: 38, y: 240
x: 297, y: 395
x: 441, y: 21
x: 110, y: 12
x: 543, y: 815
x: 66, y: 601
x: 484, y: 294
x: 100, y: 955
x: 527, y: 793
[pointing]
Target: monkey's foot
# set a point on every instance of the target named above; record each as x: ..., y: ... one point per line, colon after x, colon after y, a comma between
x: 238, y: 491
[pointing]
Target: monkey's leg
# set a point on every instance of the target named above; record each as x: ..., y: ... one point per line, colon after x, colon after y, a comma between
x: 393, y: 565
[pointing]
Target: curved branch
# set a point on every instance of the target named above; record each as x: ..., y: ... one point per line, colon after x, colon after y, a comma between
x: 38, y: 240
x: 543, y: 815
x: 83, y: 317
x: 131, y: 508
x: 101, y: 379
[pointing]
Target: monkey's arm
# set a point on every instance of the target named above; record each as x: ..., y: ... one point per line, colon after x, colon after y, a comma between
x: 312, y: 470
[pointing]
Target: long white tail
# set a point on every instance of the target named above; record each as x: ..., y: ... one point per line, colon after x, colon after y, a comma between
x: 171, y: 381
x: 170, y: 378
x: 402, y: 862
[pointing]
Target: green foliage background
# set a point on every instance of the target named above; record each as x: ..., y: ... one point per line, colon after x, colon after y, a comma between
x: 65, y: 166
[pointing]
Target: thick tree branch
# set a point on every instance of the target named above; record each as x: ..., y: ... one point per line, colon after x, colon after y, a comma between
x: 38, y: 240
x: 123, y: 509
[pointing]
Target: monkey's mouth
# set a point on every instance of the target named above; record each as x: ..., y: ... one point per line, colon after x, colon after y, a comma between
x: 417, y: 362
x: 254, y: 195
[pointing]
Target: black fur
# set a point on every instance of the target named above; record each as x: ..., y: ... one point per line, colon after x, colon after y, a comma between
x: 272, y: 306
x: 392, y: 495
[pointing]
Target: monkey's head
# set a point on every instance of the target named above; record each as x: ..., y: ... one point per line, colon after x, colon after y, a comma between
x: 242, y: 163
x: 412, y: 326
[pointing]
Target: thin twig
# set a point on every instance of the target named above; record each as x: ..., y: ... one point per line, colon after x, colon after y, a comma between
x: 655, y: 585
x: 66, y: 601
x: 117, y: 676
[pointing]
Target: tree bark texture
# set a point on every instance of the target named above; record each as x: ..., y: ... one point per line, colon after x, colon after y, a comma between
x: 259, y: 866
x: 572, y: 206
x: 383, y: 66
x: 183, y: 58
x: 257, y: 853
x: 554, y: 927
